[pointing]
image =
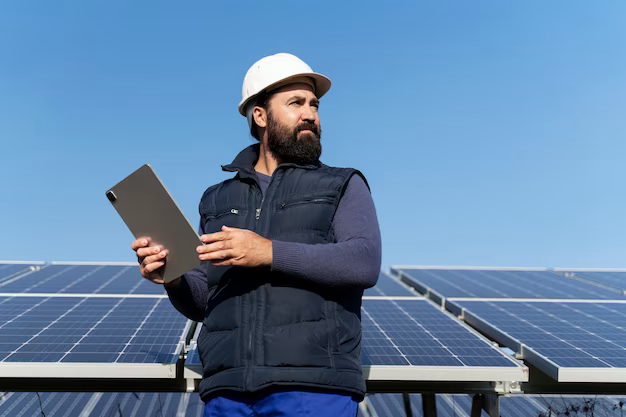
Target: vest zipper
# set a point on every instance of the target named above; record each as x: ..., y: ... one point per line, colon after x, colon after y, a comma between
x: 253, y: 315
x: 249, y: 355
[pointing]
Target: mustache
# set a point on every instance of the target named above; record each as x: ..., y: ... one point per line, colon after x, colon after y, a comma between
x: 308, y: 126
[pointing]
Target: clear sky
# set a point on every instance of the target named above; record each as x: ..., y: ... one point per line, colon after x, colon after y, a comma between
x: 491, y: 132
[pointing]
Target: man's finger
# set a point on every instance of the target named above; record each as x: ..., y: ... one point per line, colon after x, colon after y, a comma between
x: 140, y: 243
x: 155, y: 258
x: 151, y: 267
x: 215, y: 237
x: 220, y: 254
x: 152, y: 250
x: 215, y: 246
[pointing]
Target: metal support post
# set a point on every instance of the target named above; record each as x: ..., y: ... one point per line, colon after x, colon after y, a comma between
x: 429, y: 405
x: 491, y: 404
x: 477, y: 405
x: 406, y: 397
x: 488, y: 402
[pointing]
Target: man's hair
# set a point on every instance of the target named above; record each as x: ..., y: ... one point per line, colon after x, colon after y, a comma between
x: 261, y: 101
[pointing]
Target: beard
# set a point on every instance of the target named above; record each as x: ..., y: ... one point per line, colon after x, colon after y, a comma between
x: 284, y: 144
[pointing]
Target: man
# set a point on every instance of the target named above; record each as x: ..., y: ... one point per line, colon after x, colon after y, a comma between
x: 291, y: 244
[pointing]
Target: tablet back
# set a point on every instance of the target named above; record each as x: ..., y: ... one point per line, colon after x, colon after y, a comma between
x: 148, y: 210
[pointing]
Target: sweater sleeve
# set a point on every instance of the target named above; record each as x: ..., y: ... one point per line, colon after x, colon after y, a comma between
x: 191, y: 295
x: 354, y: 260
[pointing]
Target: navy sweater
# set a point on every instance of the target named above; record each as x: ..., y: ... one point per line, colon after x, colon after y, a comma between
x: 352, y: 261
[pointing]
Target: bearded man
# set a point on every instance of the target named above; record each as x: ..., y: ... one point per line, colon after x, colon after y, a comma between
x: 291, y: 244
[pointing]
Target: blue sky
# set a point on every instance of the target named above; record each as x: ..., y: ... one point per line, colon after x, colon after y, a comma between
x: 492, y: 133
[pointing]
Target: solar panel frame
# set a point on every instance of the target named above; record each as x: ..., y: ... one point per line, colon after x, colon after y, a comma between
x: 533, y: 354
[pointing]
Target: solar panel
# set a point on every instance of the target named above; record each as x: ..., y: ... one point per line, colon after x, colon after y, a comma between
x: 388, y: 286
x: 582, y: 341
x: 415, y: 340
x: 83, y: 279
x: 408, y: 332
x: 98, y: 404
x: 486, y: 283
x: 60, y: 330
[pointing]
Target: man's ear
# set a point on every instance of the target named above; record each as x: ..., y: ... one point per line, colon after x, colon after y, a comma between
x: 260, y: 116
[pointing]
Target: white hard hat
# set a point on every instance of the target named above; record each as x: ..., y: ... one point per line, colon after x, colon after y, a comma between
x: 276, y: 69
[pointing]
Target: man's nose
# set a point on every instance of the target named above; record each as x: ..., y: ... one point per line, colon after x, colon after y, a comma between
x: 308, y: 114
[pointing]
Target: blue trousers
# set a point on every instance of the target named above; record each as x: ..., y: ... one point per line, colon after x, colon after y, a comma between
x: 280, y: 404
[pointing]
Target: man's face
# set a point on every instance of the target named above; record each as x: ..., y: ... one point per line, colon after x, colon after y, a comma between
x: 293, y: 124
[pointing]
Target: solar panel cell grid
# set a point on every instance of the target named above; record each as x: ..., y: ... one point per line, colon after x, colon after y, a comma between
x: 62, y: 329
x: 569, y: 334
x: 417, y: 333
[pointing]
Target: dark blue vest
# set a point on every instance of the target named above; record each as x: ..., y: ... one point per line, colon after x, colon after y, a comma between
x: 262, y: 328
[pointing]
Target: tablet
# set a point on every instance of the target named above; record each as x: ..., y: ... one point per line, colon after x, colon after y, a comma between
x: 147, y: 208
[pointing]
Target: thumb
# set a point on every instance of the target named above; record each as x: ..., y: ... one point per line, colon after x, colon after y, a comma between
x: 227, y: 229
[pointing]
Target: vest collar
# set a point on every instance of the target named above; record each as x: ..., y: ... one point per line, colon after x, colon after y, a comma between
x: 246, y: 159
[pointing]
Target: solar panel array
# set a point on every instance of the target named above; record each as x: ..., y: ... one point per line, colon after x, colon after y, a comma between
x: 571, y: 328
x: 109, y: 315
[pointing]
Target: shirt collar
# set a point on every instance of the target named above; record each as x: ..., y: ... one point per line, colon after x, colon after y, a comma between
x: 245, y: 161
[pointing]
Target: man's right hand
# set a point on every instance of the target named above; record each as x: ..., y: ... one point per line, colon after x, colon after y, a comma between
x: 151, y: 259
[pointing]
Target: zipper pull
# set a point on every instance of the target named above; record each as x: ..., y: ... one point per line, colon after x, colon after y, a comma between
x: 234, y: 211
x: 258, y: 214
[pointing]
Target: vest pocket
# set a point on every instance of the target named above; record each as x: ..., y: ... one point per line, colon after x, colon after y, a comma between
x: 218, y: 215
x: 319, y: 200
x: 231, y: 217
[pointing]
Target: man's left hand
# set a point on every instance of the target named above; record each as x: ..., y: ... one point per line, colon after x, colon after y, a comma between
x: 236, y: 247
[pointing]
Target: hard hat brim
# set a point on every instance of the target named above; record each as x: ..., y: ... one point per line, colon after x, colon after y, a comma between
x: 322, y: 85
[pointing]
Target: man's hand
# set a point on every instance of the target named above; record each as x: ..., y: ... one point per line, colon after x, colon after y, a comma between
x: 151, y: 258
x: 236, y: 247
